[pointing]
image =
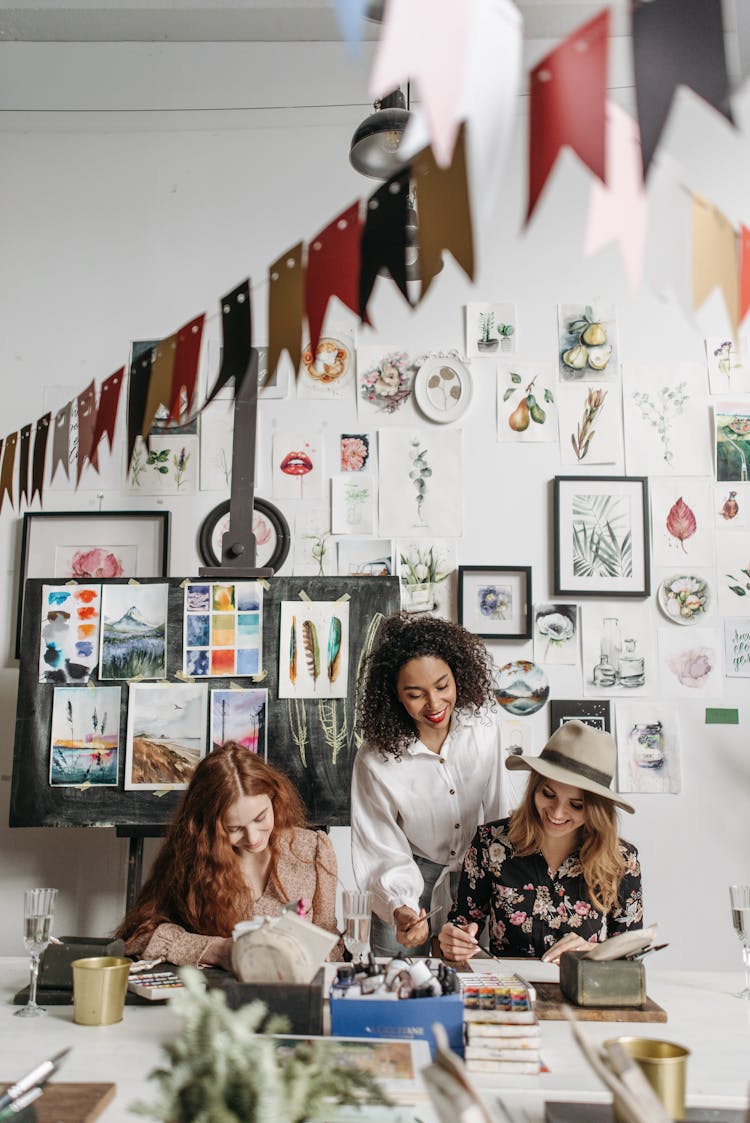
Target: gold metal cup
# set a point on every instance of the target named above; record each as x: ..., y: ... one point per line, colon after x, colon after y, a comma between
x: 664, y: 1065
x: 99, y: 986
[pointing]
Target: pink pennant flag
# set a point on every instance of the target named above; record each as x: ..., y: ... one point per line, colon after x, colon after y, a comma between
x: 619, y: 210
x: 426, y: 41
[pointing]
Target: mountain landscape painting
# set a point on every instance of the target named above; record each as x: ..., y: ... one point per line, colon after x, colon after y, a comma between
x: 133, y: 632
x: 166, y: 734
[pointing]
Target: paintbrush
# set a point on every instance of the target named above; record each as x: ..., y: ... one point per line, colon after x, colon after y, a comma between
x: 419, y: 919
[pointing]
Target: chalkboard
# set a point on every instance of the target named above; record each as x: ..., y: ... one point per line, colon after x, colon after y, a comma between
x: 312, y: 741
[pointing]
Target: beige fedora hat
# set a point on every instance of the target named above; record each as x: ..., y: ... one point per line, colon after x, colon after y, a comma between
x: 579, y: 755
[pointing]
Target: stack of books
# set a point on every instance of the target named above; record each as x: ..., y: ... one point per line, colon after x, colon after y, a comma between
x: 501, y: 1030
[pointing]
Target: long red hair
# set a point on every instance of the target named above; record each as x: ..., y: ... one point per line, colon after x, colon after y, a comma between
x: 196, y: 880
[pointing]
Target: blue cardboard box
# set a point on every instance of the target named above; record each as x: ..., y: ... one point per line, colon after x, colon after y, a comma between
x: 409, y: 1019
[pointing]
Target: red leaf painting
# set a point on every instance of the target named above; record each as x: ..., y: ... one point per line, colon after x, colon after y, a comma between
x: 681, y: 522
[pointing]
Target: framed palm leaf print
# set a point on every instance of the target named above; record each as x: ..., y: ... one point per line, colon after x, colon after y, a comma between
x: 601, y: 536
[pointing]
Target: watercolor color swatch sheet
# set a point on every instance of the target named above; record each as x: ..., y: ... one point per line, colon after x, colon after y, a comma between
x: 69, y: 642
x: 223, y: 629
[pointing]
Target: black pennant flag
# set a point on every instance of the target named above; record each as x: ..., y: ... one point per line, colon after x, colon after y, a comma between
x: 676, y: 43
x: 138, y: 386
x: 40, y: 456
x: 237, y: 339
x: 23, y: 465
x: 384, y: 238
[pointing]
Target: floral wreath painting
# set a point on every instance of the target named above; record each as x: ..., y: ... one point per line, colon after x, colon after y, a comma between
x: 732, y: 424
x: 355, y: 451
x: 587, y: 342
x: 556, y: 634
x: 386, y: 381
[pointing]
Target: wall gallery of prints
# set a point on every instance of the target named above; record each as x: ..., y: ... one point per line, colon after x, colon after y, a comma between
x: 649, y: 602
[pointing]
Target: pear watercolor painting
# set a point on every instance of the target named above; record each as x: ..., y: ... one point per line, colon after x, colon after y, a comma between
x: 587, y: 342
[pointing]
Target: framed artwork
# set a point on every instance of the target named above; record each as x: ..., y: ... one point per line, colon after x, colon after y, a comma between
x: 494, y: 601
x: 87, y: 545
x: 590, y: 711
x: 271, y: 530
x: 602, y: 536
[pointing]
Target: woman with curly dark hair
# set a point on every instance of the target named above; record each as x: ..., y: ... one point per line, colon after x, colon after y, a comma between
x: 237, y: 848
x: 428, y: 772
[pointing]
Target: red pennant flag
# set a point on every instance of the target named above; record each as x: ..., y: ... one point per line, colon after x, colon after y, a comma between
x: 185, y: 370
x: 744, y: 272
x: 23, y: 465
x: 40, y: 456
x: 86, y: 428
x: 676, y: 43
x: 6, y: 472
x: 568, y: 104
x: 106, y: 415
x: 333, y: 269
x: 286, y: 308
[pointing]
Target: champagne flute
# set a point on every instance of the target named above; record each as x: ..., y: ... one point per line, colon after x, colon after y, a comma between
x: 357, y: 920
x: 38, y: 909
x: 740, y: 898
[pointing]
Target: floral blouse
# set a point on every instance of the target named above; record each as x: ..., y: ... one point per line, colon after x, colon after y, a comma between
x: 530, y: 907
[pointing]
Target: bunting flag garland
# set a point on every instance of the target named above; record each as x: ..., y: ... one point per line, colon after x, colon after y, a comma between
x: 86, y: 427
x: 383, y: 242
x: 568, y: 99
x: 444, y: 212
x: 715, y: 259
x: 676, y: 43
x: 186, y: 363
x: 6, y: 472
x: 333, y: 269
x: 23, y: 465
x: 106, y: 415
x: 39, y: 457
x: 286, y: 308
x: 138, y: 387
x: 426, y: 41
x: 619, y: 210
x: 61, y: 440
x: 236, y: 339
x: 744, y: 271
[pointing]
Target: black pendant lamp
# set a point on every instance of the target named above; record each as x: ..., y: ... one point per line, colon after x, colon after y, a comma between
x: 375, y: 145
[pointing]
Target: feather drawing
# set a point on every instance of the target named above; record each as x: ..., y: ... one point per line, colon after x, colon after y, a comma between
x: 312, y: 650
x: 334, y: 648
x: 293, y: 652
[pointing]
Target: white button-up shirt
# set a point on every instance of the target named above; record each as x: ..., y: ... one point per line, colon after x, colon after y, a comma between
x: 424, y: 803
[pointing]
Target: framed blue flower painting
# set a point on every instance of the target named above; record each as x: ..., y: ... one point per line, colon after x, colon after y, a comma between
x: 494, y: 601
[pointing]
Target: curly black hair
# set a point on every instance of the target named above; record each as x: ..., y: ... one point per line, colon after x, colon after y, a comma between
x: 381, y: 718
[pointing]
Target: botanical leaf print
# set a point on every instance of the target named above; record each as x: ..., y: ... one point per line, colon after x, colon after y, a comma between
x: 681, y: 522
x: 602, y: 541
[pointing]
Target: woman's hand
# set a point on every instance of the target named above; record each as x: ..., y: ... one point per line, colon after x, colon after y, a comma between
x: 219, y: 953
x: 459, y: 943
x: 410, y: 931
x: 571, y: 942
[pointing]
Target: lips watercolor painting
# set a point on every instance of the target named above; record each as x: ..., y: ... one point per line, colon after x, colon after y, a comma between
x: 298, y: 466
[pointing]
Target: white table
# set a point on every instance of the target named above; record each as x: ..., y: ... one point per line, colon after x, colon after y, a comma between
x: 703, y: 1013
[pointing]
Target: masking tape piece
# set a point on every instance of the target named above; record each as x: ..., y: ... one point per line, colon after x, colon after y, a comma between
x: 343, y: 598
x: 71, y: 582
x: 184, y: 584
x: 235, y: 686
x: 136, y: 678
x: 132, y: 581
x: 260, y: 676
x: 183, y: 677
x: 162, y: 791
x: 83, y: 787
x: 262, y: 582
x: 303, y: 596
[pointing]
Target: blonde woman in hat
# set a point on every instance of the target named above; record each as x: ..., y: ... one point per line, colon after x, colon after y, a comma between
x: 554, y: 876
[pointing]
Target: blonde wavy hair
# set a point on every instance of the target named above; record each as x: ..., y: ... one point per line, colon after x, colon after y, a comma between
x: 601, y: 859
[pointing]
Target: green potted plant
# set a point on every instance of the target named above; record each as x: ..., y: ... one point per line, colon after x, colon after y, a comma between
x: 505, y: 331
x: 487, y: 341
x: 221, y: 1069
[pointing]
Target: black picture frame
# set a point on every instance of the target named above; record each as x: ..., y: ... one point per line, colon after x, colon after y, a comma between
x: 36, y: 560
x: 593, y: 554
x: 210, y: 548
x: 480, y: 606
x: 596, y: 712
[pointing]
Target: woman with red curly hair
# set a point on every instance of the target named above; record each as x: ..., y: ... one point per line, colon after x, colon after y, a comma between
x: 237, y: 849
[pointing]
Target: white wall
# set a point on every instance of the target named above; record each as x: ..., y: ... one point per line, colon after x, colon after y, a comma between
x: 120, y: 223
